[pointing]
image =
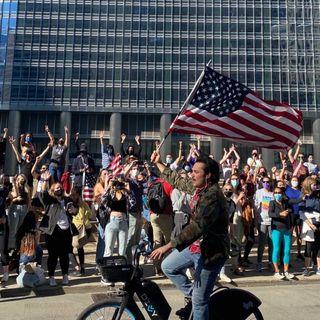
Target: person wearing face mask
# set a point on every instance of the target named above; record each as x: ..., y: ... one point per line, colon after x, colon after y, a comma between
x: 26, y: 145
x: 262, y: 200
x: 281, y: 223
x: 58, y: 155
x: 231, y: 207
x: 58, y: 229
x: 294, y: 194
x: 132, y: 150
x: 309, y: 210
x: 107, y: 152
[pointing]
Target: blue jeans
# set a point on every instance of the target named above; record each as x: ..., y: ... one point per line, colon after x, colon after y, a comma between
x: 134, y: 232
x: 36, y: 258
x: 55, y: 172
x: 174, y: 267
x: 116, y: 227
x: 277, y: 237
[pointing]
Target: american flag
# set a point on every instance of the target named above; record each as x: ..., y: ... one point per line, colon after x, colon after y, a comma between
x: 115, y: 165
x: 225, y: 108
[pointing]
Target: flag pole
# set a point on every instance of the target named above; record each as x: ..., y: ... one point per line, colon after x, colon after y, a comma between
x: 189, y: 98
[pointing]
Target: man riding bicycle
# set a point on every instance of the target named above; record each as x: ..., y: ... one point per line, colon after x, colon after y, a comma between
x: 204, y: 243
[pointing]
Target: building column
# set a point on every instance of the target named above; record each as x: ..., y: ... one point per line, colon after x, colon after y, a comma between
x: 14, y: 131
x: 316, y: 140
x: 165, y: 122
x: 216, y: 148
x: 115, y: 130
x: 268, y: 158
x: 65, y: 121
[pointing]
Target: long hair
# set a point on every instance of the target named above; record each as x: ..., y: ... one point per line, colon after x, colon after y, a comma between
x: 51, y: 189
x: 306, y: 185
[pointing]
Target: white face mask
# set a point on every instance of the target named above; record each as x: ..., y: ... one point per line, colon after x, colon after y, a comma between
x: 133, y: 173
x: 294, y: 183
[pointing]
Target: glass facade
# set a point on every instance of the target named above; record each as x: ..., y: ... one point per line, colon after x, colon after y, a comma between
x: 131, y: 55
x: 141, y: 59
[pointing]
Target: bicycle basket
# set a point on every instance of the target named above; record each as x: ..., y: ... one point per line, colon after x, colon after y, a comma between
x: 115, y: 269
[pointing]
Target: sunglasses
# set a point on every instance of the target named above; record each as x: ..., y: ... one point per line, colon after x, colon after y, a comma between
x: 277, y: 192
x: 266, y: 181
x: 228, y: 190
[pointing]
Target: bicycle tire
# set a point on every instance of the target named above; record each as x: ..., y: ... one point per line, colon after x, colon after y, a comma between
x: 105, y: 310
x: 256, y: 315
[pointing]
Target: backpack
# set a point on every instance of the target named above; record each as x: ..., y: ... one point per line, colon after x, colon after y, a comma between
x: 157, y: 199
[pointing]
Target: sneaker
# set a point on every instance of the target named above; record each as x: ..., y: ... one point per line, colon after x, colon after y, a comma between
x: 278, y: 276
x: 289, y: 275
x: 52, y: 282
x: 184, y: 312
x: 305, y: 272
x: 106, y: 283
x: 259, y: 267
x: 318, y: 272
x: 65, y: 280
x: 5, y: 277
x: 225, y: 278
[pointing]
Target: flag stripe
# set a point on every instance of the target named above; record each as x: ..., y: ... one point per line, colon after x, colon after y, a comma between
x: 225, y: 108
x: 282, y: 111
x: 268, y: 144
x: 232, y: 125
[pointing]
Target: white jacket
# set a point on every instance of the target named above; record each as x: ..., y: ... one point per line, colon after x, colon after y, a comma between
x: 307, y: 233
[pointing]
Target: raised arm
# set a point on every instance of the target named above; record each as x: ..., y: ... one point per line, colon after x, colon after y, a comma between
x: 225, y: 156
x: 47, y: 130
x: 34, y: 172
x: 45, y: 151
x: 12, y: 141
x: 238, y: 158
x: 198, y: 142
x: 66, y: 136
x: 137, y: 146
x: 5, y: 133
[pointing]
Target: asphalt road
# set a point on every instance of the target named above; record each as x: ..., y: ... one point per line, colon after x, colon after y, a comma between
x: 291, y: 301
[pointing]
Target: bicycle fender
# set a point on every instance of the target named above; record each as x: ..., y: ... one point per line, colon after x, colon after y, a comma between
x: 231, y: 303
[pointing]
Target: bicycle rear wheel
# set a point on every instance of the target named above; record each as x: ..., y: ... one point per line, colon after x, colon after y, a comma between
x: 105, y: 310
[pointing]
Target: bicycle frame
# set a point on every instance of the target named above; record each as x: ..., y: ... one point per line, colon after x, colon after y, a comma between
x: 126, y: 300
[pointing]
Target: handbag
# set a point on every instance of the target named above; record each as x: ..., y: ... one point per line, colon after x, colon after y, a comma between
x: 81, y: 239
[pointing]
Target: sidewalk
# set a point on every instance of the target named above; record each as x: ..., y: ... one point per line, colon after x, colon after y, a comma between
x: 91, y: 282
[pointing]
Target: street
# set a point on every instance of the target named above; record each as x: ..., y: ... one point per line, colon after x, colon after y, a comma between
x: 292, y: 301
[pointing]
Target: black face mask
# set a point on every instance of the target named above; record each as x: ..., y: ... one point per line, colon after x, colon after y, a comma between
x: 58, y: 193
x: 228, y: 194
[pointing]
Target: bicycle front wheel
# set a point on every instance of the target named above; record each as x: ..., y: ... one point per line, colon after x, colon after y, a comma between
x: 255, y: 315
x: 105, y: 310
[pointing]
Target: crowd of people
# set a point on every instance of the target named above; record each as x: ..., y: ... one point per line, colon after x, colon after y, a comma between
x: 136, y: 202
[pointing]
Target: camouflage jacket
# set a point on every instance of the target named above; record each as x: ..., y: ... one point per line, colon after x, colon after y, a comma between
x: 209, y: 220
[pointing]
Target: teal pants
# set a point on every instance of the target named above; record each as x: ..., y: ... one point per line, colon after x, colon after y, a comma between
x: 279, y: 236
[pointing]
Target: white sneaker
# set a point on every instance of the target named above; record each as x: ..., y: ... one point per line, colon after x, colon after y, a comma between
x: 278, y: 276
x: 5, y: 277
x: 106, y: 283
x: 225, y: 278
x: 52, y: 282
x: 318, y: 272
x: 65, y: 280
x: 289, y: 275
